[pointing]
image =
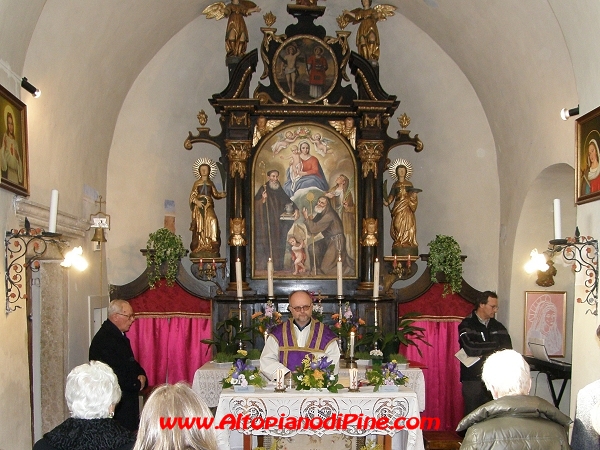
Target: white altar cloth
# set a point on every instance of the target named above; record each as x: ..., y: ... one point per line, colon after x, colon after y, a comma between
x: 207, y: 382
x: 265, y: 403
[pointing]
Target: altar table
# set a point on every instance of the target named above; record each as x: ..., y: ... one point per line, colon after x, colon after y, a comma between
x: 265, y: 403
x: 207, y: 382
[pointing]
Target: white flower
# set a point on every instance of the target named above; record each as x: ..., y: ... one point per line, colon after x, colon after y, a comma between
x: 300, y: 377
x: 252, y: 377
x: 235, y: 381
x: 376, y: 353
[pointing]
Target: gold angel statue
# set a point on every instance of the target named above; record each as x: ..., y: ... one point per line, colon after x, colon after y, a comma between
x: 367, y: 36
x: 236, y: 37
x: 206, y: 235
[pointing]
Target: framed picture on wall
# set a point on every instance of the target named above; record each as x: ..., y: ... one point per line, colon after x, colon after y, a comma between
x: 587, y: 155
x: 545, y: 316
x: 14, y: 174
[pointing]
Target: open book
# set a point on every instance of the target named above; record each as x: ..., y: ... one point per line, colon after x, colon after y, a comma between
x: 467, y: 360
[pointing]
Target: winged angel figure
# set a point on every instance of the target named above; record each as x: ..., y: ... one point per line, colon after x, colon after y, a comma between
x: 367, y: 36
x: 236, y: 37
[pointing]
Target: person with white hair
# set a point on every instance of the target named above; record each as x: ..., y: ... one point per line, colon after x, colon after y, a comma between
x: 514, y: 419
x: 175, y: 401
x: 92, y: 392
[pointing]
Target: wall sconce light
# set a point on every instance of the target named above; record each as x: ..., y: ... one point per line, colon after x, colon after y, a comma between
x: 544, y: 266
x: 566, y: 113
x: 30, y: 88
x: 23, y: 249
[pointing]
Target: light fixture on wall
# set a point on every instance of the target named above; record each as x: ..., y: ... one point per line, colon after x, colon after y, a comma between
x: 566, y: 113
x: 30, y: 88
x: 543, y: 264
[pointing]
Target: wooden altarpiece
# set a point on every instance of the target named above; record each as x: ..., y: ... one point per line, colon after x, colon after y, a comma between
x: 345, y: 130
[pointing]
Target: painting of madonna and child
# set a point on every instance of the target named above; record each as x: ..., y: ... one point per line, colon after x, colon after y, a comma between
x: 304, y: 211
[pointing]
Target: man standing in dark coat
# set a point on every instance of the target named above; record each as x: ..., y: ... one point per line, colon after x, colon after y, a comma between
x: 480, y: 335
x: 112, y: 347
x: 274, y: 215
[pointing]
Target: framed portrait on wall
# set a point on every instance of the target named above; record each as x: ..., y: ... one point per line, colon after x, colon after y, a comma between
x: 14, y: 173
x: 304, y: 204
x: 587, y: 155
x: 545, y: 317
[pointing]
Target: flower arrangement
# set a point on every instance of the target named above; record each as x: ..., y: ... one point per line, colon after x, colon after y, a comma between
x: 347, y: 323
x: 376, y: 353
x: 316, y: 373
x: 317, y: 311
x: 242, y: 374
x: 387, y: 374
x: 268, y: 320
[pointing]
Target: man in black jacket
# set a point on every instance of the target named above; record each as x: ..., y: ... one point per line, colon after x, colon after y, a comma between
x: 480, y: 335
x: 111, y: 346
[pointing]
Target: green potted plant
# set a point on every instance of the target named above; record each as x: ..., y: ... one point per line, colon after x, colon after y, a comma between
x: 444, y: 257
x: 163, y: 247
x: 227, y: 337
x: 407, y: 334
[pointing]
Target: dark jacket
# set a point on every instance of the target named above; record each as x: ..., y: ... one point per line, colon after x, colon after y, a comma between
x: 87, y: 434
x: 478, y: 340
x: 112, y: 347
x: 515, y: 422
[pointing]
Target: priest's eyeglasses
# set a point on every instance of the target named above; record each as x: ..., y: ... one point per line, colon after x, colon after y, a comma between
x: 301, y: 308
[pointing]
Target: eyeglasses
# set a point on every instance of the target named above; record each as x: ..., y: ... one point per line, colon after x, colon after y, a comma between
x: 301, y: 308
x: 129, y: 316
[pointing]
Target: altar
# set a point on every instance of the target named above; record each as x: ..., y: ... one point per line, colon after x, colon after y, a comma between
x: 207, y: 382
x: 392, y: 407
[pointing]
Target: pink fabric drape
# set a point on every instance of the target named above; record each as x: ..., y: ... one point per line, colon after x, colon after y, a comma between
x: 443, y: 396
x: 169, y: 349
x: 186, y: 352
x: 150, y: 341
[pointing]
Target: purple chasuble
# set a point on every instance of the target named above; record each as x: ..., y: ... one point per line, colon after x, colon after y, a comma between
x: 290, y: 354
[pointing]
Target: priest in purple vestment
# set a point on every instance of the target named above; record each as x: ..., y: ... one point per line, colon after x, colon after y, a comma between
x: 290, y: 341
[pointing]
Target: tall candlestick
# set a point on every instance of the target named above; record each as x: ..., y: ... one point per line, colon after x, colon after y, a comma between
x: 376, y: 278
x: 53, y: 211
x: 340, y: 287
x: 352, y: 344
x: 270, y: 277
x: 376, y: 315
x: 353, y: 379
x: 238, y: 277
x: 557, y: 224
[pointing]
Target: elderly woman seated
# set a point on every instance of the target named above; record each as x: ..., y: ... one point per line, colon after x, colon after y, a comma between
x: 92, y: 392
x: 171, y: 402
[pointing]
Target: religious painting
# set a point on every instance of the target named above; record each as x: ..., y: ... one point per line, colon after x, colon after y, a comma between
x: 305, y: 69
x: 14, y: 175
x: 304, y: 204
x: 545, y: 318
x: 587, y: 155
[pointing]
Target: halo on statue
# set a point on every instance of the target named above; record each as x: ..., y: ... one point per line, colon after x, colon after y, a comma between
x: 400, y: 162
x: 210, y: 163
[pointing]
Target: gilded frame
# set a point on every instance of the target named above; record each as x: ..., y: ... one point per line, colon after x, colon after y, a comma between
x: 587, y: 178
x: 14, y: 152
x: 305, y: 47
x: 272, y: 228
x: 545, y: 317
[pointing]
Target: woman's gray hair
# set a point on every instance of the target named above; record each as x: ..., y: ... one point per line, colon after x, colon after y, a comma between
x: 91, y: 390
x: 170, y: 402
x: 506, y: 373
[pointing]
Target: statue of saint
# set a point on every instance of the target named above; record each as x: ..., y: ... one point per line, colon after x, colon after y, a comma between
x: 404, y: 198
x: 206, y: 236
x: 367, y: 36
x: 236, y: 36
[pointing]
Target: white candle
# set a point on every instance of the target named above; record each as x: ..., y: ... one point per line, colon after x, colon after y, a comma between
x: 352, y: 344
x: 376, y: 278
x: 280, y: 379
x: 238, y: 278
x: 557, y: 224
x: 353, y: 378
x: 53, y: 211
x: 340, y: 287
x: 270, y: 277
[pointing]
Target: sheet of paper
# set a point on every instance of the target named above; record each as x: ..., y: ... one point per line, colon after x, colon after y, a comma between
x: 467, y: 360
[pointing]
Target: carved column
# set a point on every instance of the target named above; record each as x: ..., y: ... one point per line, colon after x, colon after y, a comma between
x: 369, y: 153
x: 238, y: 152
